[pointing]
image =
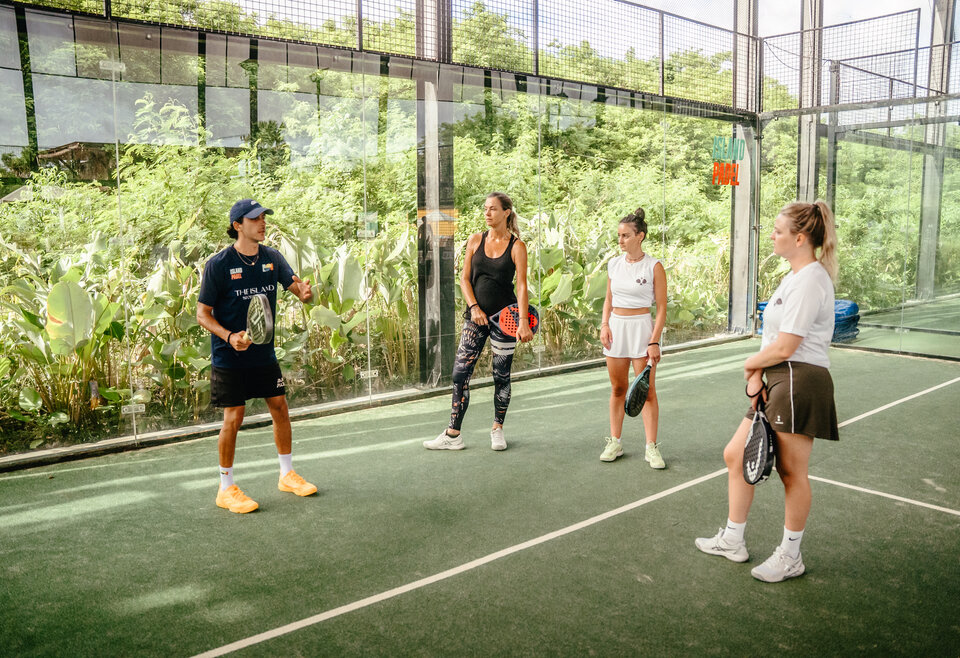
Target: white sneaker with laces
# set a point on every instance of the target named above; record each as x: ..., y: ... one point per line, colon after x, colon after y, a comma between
x: 497, y: 442
x: 445, y: 442
x: 778, y: 567
x: 735, y: 551
x: 612, y: 450
x: 653, y: 457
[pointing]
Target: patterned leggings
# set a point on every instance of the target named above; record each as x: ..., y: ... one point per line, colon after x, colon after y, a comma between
x: 472, y: 340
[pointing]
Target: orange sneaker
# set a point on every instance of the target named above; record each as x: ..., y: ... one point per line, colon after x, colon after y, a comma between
x: 295, y: 484
x: 235, y: 500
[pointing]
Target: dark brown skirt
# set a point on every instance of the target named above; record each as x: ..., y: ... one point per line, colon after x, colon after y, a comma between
x: 800, y: 400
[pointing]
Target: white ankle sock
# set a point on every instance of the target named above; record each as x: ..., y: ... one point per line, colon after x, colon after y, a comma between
x: 286, y: 463
x: 226, y: 477
x: 734, y: 531
x: 791, y: 542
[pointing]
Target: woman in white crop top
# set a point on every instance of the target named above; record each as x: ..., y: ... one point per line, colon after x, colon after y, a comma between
x: 635, y: 282
x: 798, y: 392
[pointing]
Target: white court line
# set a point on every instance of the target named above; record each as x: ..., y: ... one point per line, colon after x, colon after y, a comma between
x: 900, y: 401
x: 886, y: 495
x: 449, y: 573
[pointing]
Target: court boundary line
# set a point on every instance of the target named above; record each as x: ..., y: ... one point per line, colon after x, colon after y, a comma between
x: 883, y: 494
x: 516, y: 548
x: 449, y: 573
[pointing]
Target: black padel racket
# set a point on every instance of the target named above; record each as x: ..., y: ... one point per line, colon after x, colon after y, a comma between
x: 259, y: 320
x: 509, y: 319
x: 637, y: 393
x: 760, y: 450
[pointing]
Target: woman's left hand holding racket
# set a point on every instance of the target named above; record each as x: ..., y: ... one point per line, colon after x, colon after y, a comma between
x: 755, y: 387
x: 524, y: 333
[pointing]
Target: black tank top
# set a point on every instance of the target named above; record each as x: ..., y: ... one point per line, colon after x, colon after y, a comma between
x: 492, y: 278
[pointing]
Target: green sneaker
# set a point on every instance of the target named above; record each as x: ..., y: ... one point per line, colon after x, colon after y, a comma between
x: 612, y: 451
x: 653, y: 456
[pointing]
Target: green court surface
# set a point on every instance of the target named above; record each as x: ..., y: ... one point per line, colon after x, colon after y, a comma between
x: 541, y: 550
x: 932, y: 328
x: 942, y: 315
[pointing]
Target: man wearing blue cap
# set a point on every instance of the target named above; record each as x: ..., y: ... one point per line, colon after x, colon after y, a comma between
x: 241, y: 370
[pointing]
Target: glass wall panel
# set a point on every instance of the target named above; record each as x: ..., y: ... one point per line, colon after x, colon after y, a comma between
x: 178, y: 57
x: 363, y: 158
x: 893, y: 185
x: 51, y: 39
x: 9, y: 44
x: 81, y: 110
x: 140, y: 53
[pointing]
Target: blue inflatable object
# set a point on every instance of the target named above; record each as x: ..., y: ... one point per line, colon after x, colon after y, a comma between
x: 846, y: 317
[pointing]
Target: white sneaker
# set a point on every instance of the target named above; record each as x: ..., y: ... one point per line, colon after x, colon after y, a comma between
x: 653, y: 457
x: 779, y: 566
x: 497, y: 442
x: 445, y: 442
x: 735, y: 551
x: 612, y: 450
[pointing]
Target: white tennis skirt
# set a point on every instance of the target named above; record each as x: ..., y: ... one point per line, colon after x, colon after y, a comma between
x: 631, y: 334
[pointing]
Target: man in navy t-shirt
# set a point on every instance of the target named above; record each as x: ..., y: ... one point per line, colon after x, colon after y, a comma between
x: 241, y: 370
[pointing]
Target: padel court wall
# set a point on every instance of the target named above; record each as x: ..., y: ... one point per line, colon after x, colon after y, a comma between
x: 377, y: 164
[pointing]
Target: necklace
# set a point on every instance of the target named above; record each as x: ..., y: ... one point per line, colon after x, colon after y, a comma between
x: 244, y: 260
x: 642, y: 256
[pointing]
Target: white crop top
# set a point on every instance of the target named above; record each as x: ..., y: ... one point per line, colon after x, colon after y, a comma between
x: 631, y: 284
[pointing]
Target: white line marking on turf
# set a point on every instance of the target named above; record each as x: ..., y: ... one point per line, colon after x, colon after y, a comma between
x: 933, y: 484
x: 886, y: 495
x: 449, y: 573
x: 900, y: 401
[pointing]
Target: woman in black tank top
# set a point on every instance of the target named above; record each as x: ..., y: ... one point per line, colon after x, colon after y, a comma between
x: 493, y: 258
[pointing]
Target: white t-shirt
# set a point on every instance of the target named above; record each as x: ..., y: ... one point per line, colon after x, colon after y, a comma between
x: 803, y: 305
x: 631, y: 284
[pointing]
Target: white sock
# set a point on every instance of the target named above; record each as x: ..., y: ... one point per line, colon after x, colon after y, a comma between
x: 791, y: 542
x: 226, y: 477
x: 734, y: 531
x: 286, y: 463
x: 617, y: 439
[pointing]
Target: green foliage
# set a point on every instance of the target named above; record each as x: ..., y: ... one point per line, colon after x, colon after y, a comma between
x: 100, y: 284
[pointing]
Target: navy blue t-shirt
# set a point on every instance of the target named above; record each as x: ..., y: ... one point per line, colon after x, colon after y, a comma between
x: 227, y: 285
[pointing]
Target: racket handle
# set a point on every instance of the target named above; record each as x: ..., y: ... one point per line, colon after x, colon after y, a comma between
x: 243, y: 336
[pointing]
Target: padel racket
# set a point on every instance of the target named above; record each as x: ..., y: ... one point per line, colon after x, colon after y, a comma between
x: 509, y: 319
x: 259, y: 320
x: 760, y: 450
x: 637, y: 393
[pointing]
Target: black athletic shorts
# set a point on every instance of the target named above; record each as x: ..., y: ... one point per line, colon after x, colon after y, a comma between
x: 232, y: 387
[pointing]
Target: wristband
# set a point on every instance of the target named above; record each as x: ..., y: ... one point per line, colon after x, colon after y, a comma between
x: 746, y: 390
x: 649, y: 344
x: 472, y: 305
x: 228, y: 337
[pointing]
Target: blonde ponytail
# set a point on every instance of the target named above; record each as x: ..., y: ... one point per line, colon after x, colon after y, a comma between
x: 828, y: 250
x: 817, y: 221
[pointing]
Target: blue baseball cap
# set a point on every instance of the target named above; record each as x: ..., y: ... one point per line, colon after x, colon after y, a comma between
x: 246, y: 209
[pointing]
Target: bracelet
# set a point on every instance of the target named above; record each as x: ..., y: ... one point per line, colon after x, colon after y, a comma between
x: 649, y: 344
x: 604, y: 324
x: 472, y: 305
x: 228, y: 337
x: 746, y: 390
